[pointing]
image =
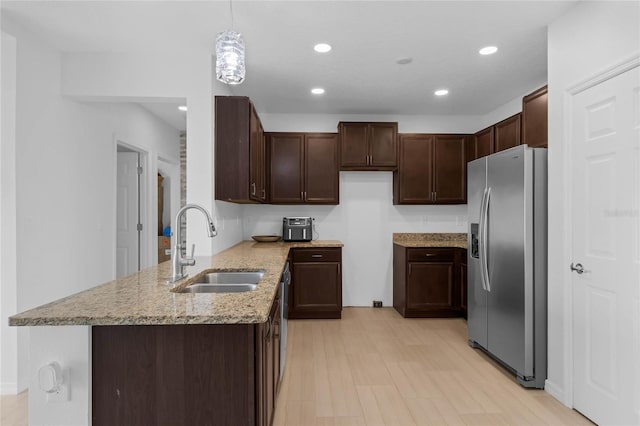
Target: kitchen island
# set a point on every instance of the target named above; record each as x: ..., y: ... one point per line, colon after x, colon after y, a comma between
x: 156, y: 356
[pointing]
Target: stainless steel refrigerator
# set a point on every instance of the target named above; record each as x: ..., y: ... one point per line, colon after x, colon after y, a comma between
x: 507, y: 264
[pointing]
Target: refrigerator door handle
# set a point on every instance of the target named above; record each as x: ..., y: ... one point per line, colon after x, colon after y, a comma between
x: 481, y: 238
x: 484, y: 264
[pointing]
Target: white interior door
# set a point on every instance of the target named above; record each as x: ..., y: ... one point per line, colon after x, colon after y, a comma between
x: 127, y: 214
x: 606, y: 244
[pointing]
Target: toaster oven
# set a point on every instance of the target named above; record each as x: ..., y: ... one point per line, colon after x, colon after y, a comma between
x: 297, y: 228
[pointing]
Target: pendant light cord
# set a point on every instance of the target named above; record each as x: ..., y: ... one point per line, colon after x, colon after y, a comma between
x: 231, y: 12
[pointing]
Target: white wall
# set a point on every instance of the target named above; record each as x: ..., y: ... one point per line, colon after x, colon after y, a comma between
x: 189, y: 76
x: 364, y: 221
x: 589, y: 38
x: 65, y: 185
x: 406, y: 123
x: 512, y: 107
x: 8, y: 286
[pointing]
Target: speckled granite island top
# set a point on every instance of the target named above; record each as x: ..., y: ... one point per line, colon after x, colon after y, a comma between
x: 144, y: 298
x: 431, y: 240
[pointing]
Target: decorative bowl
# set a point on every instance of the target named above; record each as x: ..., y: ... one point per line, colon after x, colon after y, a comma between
x: 266, y: 238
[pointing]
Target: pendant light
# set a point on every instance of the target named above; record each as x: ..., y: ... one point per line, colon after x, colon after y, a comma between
x: 230, y: 55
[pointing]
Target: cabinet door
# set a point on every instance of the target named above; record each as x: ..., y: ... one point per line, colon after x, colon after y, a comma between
x: 430, y: 287
x: 269, y: 383
x: 413, y: 181
x: 321, y: 165
x: 383, y: 144
x: 232, y: 148
x: 261, y: 374
x: 507, y: 133
x: 257, y: 190
x: 286, y: 152
x: 354, y: 149
x: 534, y: 118
x: 449, y: 169
x: 483, y: 143
x: 316, y: 288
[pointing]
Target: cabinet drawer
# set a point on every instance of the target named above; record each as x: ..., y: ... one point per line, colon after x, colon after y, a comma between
x: 430, y: 254
x: 317, y: 255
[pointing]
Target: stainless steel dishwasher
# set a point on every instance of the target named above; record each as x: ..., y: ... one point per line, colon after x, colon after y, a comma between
x: 285, y: 281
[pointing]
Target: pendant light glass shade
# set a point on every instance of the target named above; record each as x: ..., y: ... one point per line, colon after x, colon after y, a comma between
x: 230, y: 57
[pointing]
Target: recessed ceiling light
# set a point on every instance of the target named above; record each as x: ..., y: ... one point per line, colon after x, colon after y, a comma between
x: 322, y: 47
x: 404, y: 61
x: 441, y: 92
x: 317, y: 90
x: 489, y: 50
x: 182, y: 107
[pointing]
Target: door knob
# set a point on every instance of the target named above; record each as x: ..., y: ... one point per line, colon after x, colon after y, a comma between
x: 578, y: 268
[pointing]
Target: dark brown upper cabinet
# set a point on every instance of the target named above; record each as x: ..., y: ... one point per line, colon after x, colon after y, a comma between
x: 507, y: 133
x: 368, y: 146
x: 240, y: 173
x: 482, y: 143
x: 431, y: 169
x: 534, y: 119
x: 303, y: 168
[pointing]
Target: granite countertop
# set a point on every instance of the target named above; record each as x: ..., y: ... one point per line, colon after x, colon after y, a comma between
x: 431, y: 240
x: 144, y: 298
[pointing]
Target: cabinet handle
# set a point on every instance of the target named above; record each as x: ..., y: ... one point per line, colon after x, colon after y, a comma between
x: 253, y: 188
x: 430, y: 254
x: 316, y: 255
x: 435, y: 196
x: 268, y: 335
x: 410, y: 269
x: 264, y: 194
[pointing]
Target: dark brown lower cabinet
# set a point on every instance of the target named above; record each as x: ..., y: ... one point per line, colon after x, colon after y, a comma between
x: 316, y: 283
x: 268, y: 369
x: 427, y: 282
x: 200, y: 374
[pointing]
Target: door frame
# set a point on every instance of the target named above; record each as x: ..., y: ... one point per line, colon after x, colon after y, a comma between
x: 145, y: 212
x: 567, y: 255
x: 172, y: 168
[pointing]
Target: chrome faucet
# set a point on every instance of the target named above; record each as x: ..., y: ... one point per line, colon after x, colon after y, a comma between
x: 177, y: 261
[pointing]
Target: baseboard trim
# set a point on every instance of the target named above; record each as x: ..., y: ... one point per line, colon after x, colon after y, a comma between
x: 555, y: 391
x: 9, y: 388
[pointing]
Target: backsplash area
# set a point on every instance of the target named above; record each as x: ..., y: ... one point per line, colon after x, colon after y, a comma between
x: 364, y: 221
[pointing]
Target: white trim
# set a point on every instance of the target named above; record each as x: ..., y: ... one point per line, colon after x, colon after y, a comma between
x: 606, y: 74
x: 554, y: 390
x: 9, y: 388
x: 603, y: 75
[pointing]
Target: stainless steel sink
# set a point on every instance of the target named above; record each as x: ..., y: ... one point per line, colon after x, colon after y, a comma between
x: 218, y: 288
x: 225, y: 282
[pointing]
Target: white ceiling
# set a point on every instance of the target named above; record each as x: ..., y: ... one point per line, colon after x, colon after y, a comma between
x: 360, y: 74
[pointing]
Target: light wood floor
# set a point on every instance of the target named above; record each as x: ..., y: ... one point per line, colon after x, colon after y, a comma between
x: 374, y: 367
x: 13, y: 410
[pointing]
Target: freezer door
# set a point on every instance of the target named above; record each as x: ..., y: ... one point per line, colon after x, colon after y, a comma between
x: 510, y: 296
x: 476, y: 295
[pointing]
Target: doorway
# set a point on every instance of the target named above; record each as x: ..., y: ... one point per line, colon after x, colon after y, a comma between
x: 606, y: 248
x: 128, y: 210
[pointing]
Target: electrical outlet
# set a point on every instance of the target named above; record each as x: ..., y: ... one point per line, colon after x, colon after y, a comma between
x: 377, y: 303
x: 63, y: 394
